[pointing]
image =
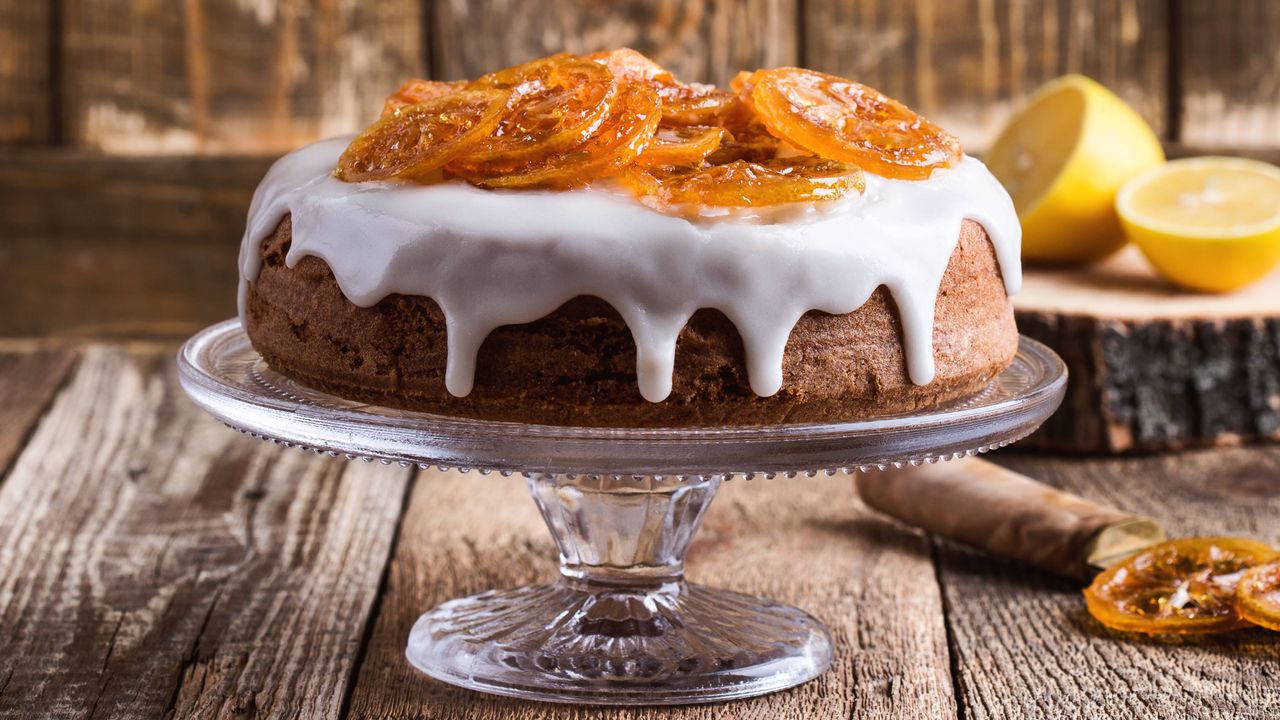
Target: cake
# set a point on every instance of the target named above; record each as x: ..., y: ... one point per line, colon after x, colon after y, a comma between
x: 584, y: 240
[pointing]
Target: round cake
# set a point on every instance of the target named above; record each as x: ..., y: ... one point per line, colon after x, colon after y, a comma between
x: 643, y: 294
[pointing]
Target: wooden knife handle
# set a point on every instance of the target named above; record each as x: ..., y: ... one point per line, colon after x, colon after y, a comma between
x: 1008, y: 514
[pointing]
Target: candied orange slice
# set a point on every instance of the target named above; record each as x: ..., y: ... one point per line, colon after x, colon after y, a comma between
x: 752, y: 143
x: 627, y: 64
x: 619, y: 140
x: 703, y: 105
x: 419, y: 139
x: 843, y: 120
x: 1177, y: 587
x: 1258, y: 595
x: 747, y: 184
x: 682, y: 103
x: 556, y: 105
x: 681, y: 145
x: 416, y: 90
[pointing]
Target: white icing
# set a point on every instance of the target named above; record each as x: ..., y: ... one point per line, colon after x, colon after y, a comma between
x: 492, y: 257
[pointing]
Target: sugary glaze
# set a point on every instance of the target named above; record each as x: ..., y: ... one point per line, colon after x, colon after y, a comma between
x: 491, y: 258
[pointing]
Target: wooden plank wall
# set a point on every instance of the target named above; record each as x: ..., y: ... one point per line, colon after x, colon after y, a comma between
x: 231, y: 76
x: 118, y: 117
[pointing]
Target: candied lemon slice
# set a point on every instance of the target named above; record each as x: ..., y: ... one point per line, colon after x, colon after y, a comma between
x: 416, y: 90
x: 842, y: 120
x: 419, y: 139
x: 1210, y: 223
x: 682, y: 103
x: 1258, y: 595
x: 681, y: 145
x: 1177, y: 587
x: 618, y: 141
x: 747, y: 184
x: 1063, y: 159
x: 556, y: 104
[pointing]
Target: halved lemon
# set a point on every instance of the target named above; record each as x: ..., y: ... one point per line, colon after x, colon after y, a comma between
x: 1208, y: 223
x: 1063, y: 159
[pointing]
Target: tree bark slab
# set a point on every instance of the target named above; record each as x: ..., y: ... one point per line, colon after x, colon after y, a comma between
x: 1154, y: 367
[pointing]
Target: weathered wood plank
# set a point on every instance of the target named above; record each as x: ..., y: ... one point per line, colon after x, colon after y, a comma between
x: 966, y: 64
x: 1025, y: 646
x: 804, y: 541
x: 101, y: 246
x: 1229, y: 60
x: 698, y: 40
x: 168, y: 77
x: 26, y: 92
x: 155, y: 564
x: 28, y: 380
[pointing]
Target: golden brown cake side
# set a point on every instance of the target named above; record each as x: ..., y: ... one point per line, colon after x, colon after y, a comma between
x: 577, y: 365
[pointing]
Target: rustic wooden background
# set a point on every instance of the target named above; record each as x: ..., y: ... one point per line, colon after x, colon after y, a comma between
x: 132, y: 132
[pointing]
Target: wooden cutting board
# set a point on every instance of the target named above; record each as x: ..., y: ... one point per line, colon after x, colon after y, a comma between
x: 1155, y: 367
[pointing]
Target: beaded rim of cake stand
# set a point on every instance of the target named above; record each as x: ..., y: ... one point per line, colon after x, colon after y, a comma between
x: 745, y: 475
x: 226, y: 377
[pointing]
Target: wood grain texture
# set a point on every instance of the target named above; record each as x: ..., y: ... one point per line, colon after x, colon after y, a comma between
x: 1025, y: 647
x: 699, y: 40
x: 967, y: 64
x: 108, y: 246
x: 196, y: 76
x: 26, y: 95
x: 1153, y: 366
x: 155, y: 564
x: 804, y: 541
x: 1229, y: 58
x: 28, y: 380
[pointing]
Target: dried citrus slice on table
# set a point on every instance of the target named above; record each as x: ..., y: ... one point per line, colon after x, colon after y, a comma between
x: 556, y: 104
x: 1177, y: 587
x: 681, y: 145
x: 747, y: 184
x: 417, y: 90
x: 1063, y: 159
x: 1258, y: 595
x: 842, y: 120
x: 617, y: 142
x: 1210, y: 223
x: 419, y: 139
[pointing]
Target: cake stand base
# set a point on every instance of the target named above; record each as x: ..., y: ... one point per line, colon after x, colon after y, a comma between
x: 621, y: 626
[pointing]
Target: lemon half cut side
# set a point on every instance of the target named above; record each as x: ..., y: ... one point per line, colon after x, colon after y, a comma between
x: 1207, y: 223
x: 1063, y: 158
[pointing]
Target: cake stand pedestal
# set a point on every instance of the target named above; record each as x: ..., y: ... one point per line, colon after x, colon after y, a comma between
x: 620, y: 626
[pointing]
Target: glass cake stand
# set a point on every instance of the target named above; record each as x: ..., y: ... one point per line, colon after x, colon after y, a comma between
x: 620, y: 626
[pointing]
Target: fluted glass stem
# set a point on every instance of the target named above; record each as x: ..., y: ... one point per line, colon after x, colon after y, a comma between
x: 629, y: 532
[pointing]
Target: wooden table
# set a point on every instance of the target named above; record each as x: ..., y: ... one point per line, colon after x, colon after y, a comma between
x: 155, y: 564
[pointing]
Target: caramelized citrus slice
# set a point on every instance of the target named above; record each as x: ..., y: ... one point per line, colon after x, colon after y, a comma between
x: 1180, y: 586
x: 682, y: 103
x: 747, y: 184
x: 843, y: 120
x: 703, y: 105
x: 681, y: 145
x: 752, y: 143
x: 619, y: 140
x: 416, y: 90
x: 627, y: 64
x: 421, y: 138
x: 1258, y: 595
x: 556, y: 104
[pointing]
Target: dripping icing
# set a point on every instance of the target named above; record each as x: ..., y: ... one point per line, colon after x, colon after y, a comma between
x: 490, y: 257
